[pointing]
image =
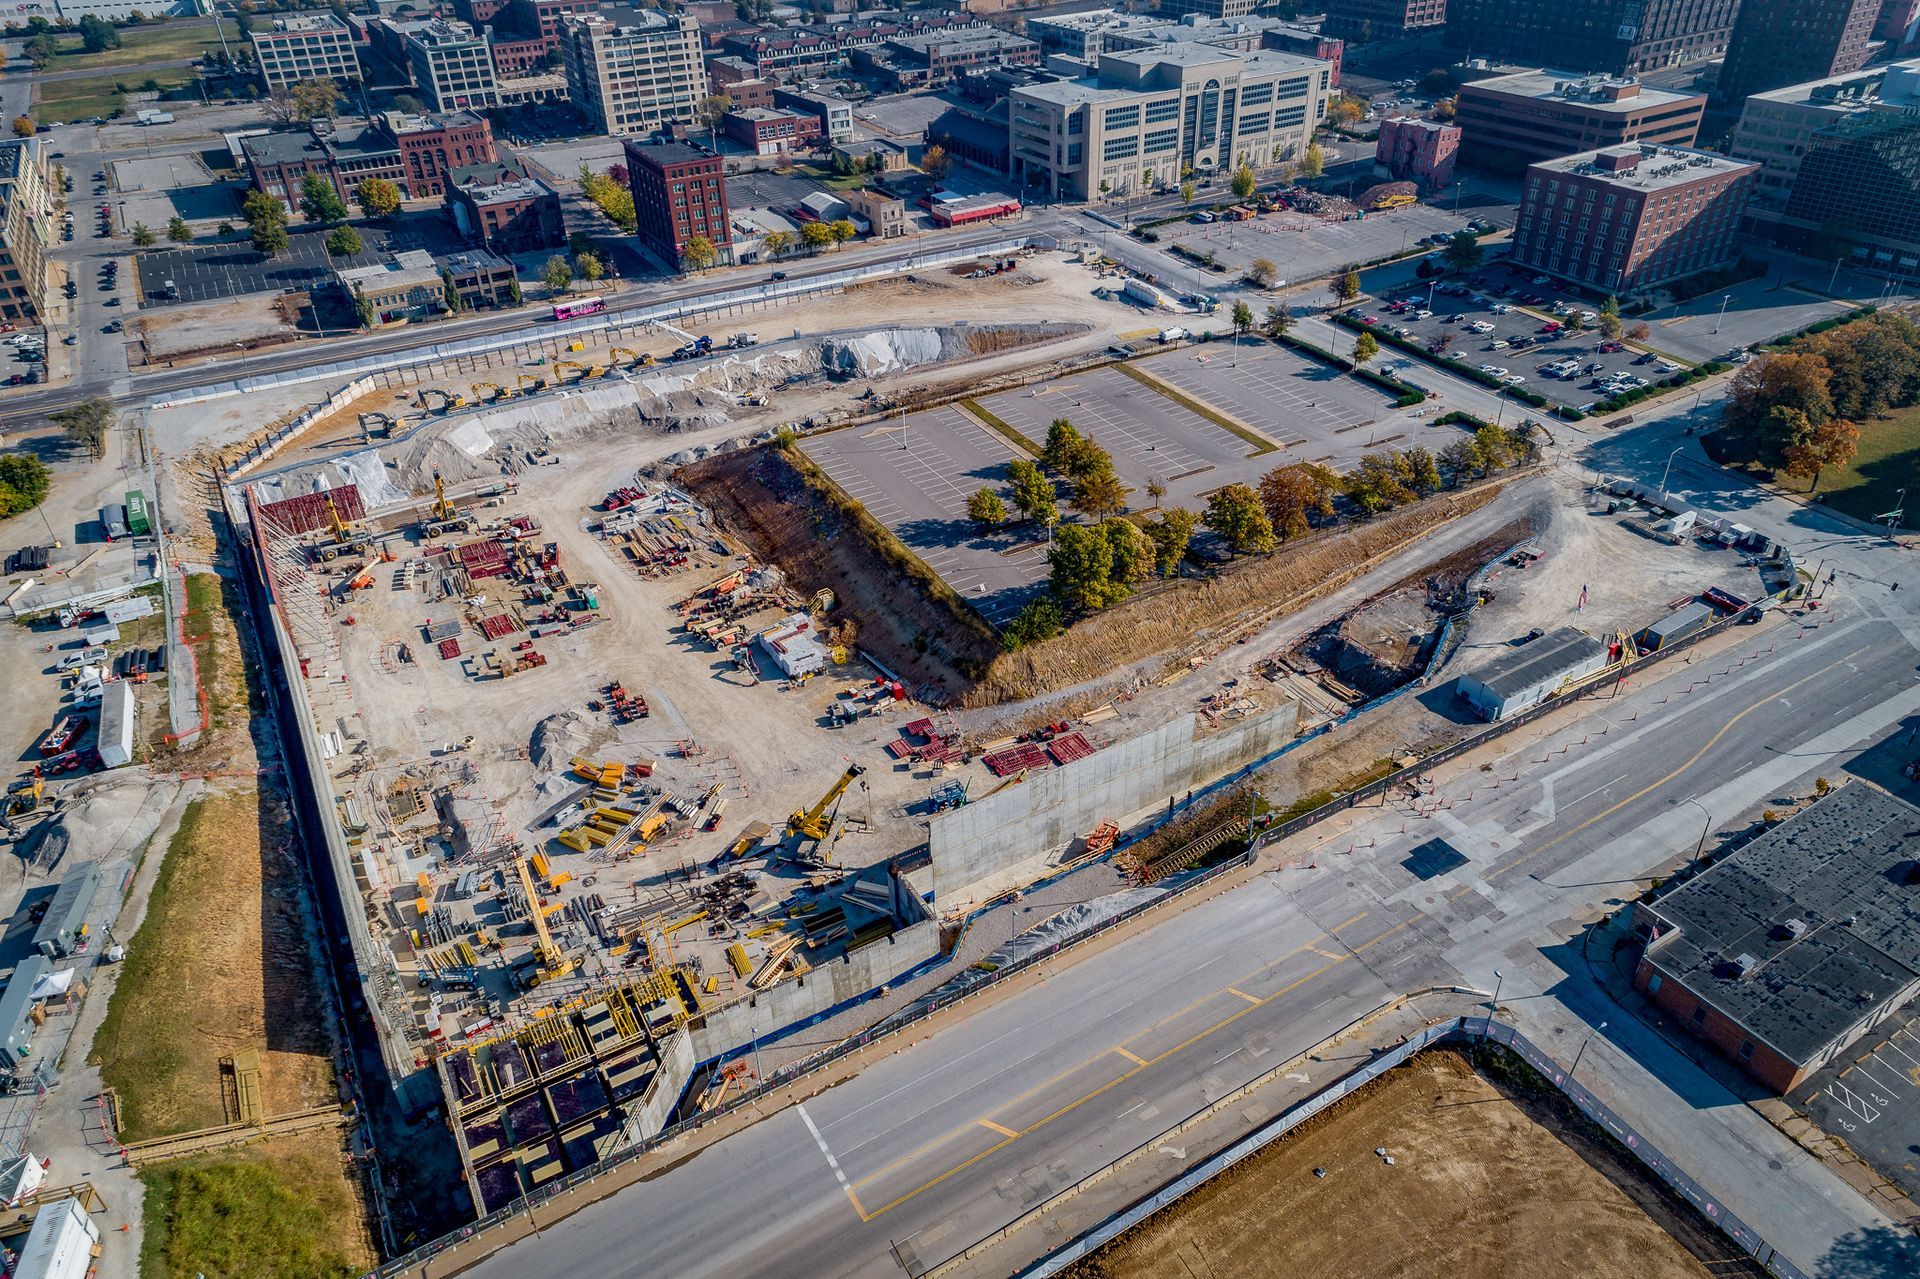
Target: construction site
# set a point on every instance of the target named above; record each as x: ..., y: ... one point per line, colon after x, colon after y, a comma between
x: 633, y: 752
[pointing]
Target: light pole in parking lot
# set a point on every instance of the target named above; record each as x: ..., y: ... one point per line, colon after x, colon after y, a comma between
x: 1723, y: 311
x: 1668, y: 470
x: 1583, y: 1049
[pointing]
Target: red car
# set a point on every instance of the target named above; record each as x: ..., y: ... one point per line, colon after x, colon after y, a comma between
x: 1549, y: 328
x: 1611, y: 348
x: 1370, y: 319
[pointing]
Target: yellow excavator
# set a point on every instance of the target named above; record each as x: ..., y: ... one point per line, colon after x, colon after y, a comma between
x: 560, y: 368
x: 493, y: 391
x: 444, y: 517
x: 552, y: 962
x: 344, y: 540
x: 528, y: 382
x: 813, y: 823
x: 449, y: 400
x: 634, y: 359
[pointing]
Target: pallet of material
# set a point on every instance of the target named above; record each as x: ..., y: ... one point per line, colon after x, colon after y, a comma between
x: 1070, y: 746
x: 1015, y: 758
x: 777, y: 956
x: 499, y: 624
x: 920, y: 728
x: 449, y: 649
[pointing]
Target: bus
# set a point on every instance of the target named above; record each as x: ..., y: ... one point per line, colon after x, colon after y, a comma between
x: 574, y: 308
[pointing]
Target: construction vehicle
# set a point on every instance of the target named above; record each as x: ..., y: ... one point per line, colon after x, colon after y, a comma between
x: 740, y: 341
x: 527, y: 382
x: 949, y: 794
x: 634, y: 359
x: 813, y: 823
x: 553, y: 963
x: 702, y: 345
x: 499, y: 392
x: 449, y: 400
x: 26, y: 795
x: 560, y: 368
x: 443, y: 517
x: 343, y: 540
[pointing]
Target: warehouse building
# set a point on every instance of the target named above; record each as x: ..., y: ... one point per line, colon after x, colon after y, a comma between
x: 65, y: 922
x: 1528, y: 675
x: 1789, y: 950
x: 116, y: 724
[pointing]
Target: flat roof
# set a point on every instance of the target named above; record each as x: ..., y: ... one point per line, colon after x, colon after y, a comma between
x: 1187, y: 54
x: 1657, y: 169
x: 1586, y: 91
x: 1809, y: 930
x: 921, y: 41
x: 278, y: 148
x: 406, y: 268
x: 1851, y: 91
x: 1073, y: 93
x: 473, y: 260
x: 306, y: 22
x: 1554, y: 654
x: 667, y: 152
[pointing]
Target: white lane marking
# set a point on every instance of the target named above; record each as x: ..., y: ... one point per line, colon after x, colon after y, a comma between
x: 821, y: 1142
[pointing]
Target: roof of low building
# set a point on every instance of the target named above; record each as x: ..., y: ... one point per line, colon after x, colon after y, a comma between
x: 1809, y: 930
x: 1656, y: 168
x: 1590, y: 92
x: 1554, y: 654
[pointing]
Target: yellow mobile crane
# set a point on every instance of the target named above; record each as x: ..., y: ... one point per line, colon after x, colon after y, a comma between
x: 444, y: 517
x: 554, y: 963
x: 344, y: 541
x: 813, y: 823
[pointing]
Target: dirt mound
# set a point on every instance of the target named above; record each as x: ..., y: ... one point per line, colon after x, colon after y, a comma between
x: 557, y: 739
x: 791, y: 516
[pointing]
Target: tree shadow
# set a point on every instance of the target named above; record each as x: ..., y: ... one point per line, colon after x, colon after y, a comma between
x: 1877, y: 1252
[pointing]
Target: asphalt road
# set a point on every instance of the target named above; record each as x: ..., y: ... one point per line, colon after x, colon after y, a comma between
x: 909, y: 1162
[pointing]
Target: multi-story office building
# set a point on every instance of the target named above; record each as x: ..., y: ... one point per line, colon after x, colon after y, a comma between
x: 934, y: 57
x: 633, y: 70
x: 26, y: 229
x: 1781, y: 42
x: 1776, y: 127
x: 314, y: 46
x: 770, y: 131
x: 1207, y: 8
x: 1087, y: 35
x: 1616, y: 36
x: 797, y: 52
x: 1421, y: 151
x: 835, y: 114
x: 1375, y: 19
x: 449, y: 62
x: 503, y: 208
x: 1162, y: 112
x: 1626, y: 219
x: 678, y: 193
x: 1858, y: 181
x: 1898, y: 23
x: 414, y: 152
x: 1510, y: 121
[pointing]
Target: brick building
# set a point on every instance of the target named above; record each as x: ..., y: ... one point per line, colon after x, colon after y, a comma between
x: 769, y: 132
x: 1629, y: 218
x: 633, y: 70
x: 678, y: 193
x: 27, y: 196
x: 1381, y: 19
x: 1614, y: 36
x: 483, y: 280
x: 1780, y: 42
x: 505, y: 209
x: 414, y: 152
x: 1509, y: 121
x: 1784, y: 953
x: 1419, y: 151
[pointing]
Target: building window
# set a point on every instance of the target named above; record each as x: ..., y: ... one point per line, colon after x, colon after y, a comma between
x: 1746, y: 1050
x: 1699, y: 1018
x: 1121, y: 148
x: 1123, y: 117
x: 1654, y: 981
x: 1162, y: 111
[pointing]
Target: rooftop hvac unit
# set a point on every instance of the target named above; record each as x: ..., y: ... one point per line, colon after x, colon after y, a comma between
x: 1744, y: 964
x: 1794, y: 929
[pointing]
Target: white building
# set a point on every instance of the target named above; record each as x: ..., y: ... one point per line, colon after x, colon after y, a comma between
x: 1152, y: 115
x: 312, y: 46
x: 631, y: 70
x: 60, y: 1244
x: 795, y: 647
x: 116, y: 723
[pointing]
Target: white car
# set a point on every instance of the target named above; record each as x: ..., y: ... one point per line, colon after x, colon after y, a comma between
x: 1492, y: 370
x: 1500, y: 308
x: 1512, y: 379
x: 1480, y: 326
x: 1498, y: 344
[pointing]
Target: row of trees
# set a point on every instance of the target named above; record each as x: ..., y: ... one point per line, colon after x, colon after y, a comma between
x: 1799, y: 411
x: 1101, y: 562
x: 612, y: 195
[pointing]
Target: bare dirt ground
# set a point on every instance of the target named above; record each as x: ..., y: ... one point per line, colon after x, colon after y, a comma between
x: 1485, y: 1184
x: 244, y: 322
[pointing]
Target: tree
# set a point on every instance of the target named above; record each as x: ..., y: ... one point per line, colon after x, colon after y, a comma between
x: 589, y: 267
x: 513, y: 293
x: 320, y: 201
x: 1278, y: 320
x: 1134, y: 555
x: 842, y: 230
x: 1611, y: 326
x: 1830, y: 444
x: 97, y: 36
x: 1639, y: 333
x: 1235, y: 515
x: 1287, y: 495
x: 1244, y: 182
x: 1464, y: 460
x: 1100, y: 495
x: 1379, y: 482
x: 1424, y: 472
x: 815, y: 235
x: 377, y: 197
x: 698, y: 253
x: 1082, y: 561
x: 363, y: 308
x: 1437, y: 82
x: 41, y: 50
x: 557, y: 275
x: 934, y: 161
x: 713, y: 109
x: 1788, y: 381
x: 1186, y: 193
x: 451, y: 298
x: 317, y: 99
x: 408, y: 103
x: 1156, y: 490
x: 1347, y: 110
x: 24, y: 481
x: 1033, y: 493
x: 178, y: 231
x: 1314, y: 162
x: 143, y: 236
x: 986, y: 509
x: 1346, y: 286
x: 343, y: 242
x: 1446, y: 110
x: 1263, y: 272
x: 1242, y: 318
x: 1170, y: 534
x: 270, y: 235
x: 1495, y: 446
x: 1365, y: 348
x: 1039, y: 620
x: 1463, y: 252
x: 1443, y: 341
x: 23, y: 126
x: 777, y: 243
x: 87, y: 423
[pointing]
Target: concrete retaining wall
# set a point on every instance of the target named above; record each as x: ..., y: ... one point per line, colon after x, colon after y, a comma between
x: 798, y: 1002
x: 1011, y: 838
x: 663, y: 1091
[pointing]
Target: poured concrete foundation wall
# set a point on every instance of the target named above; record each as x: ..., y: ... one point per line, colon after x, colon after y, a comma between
x: 799, y: 1000
x: 1014, y: 837
x: 663, y: 1091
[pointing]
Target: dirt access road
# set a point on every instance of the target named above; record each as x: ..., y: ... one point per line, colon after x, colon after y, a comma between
x: 1479, y: 1188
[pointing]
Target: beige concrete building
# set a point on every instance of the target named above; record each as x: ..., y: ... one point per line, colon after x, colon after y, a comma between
x: 26, y: 229
x: 632, y: 70
x: 311, y: 46
x: 1157, y: 113
x: 405, y: 287
x: 886, y: 215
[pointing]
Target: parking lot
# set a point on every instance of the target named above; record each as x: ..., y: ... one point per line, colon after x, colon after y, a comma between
x: 1871, y: 1100
x: 1516, y: 338
x: 208, y: 272
x: 1314, y: 412
x: 1303, y: 246
x: 915, y: 476
x: 1756, y: 311
x: 1151, y: 437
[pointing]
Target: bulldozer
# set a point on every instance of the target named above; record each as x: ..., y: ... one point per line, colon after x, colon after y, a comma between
x: 813, y: 823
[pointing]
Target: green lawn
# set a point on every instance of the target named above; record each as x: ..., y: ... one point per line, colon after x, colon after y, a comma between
x: 1889, y: 460
x: 282, y: 1211
x: 64, y: 101
x: 171, y: 42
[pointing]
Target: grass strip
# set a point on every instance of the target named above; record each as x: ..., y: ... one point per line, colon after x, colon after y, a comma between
x: 255, y: 1214
x: 1004, y: 427
x: 1261, y: 444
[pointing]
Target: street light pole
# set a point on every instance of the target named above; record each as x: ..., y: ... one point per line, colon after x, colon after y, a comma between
x: 1702, y: 845
x: 1494, y: 1007
x: 1668, y: 470
x: 1583, y: 1049
x: 1723, y: 311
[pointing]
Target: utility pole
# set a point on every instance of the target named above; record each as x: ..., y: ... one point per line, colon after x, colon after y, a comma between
x: 1723, y: 311
x: 1583, y: 1049
x: 1494, y: 1006
x: 1668, y: 470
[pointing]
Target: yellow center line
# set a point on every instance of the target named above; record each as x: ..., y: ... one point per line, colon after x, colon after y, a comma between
x: 1691, y: 761
x: 855, y: 1200
x: 1102, y: 1089
x: 1002, y: 1129
x: 1254, y: 999
x: 1324, y: 954
x: 1135, y: 1058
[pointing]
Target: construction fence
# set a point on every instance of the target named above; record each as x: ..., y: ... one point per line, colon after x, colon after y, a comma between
x: 1470, y: 1030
